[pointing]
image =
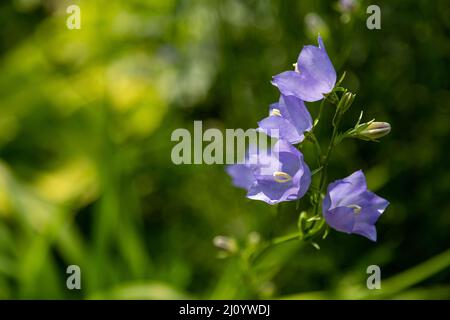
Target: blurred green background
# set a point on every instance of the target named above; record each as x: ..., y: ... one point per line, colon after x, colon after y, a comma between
x: 85, y: 171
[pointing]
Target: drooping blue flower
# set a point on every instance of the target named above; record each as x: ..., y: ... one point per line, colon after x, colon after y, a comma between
x: 313, y: 77
x: 349, y: 207
x: 275, y: 176
x: 289, y: 119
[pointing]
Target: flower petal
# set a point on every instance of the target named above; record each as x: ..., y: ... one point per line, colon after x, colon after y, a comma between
x: 255, y: 193
x: 372, y: 207
x: 341, y: 218
x: 366, y: 230
x: 241, y: 175
x: 291, y: 158
x: 315, y: 61
x: 305, y: 180
x: 301, y: 85
x: 278, y: 127
x: 346, y: 191
x: 294, y: 110
x: 315, y: 77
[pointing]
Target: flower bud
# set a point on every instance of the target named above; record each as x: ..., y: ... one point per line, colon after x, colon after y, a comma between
x: 375, y: 130
x: 254, y: 238
x: 346, y: 101
x: 226, y: 243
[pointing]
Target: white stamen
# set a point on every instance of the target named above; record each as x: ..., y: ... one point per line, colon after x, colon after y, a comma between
x: 281, y: 177
x: 296, y: 68
x: 355, y: 207
x: 275, y: 112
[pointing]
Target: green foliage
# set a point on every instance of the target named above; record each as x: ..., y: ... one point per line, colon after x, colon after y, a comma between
x: 85, y: 170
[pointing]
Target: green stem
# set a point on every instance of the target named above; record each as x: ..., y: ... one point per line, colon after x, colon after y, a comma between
x: 312, y: 137
x: 275, y: 242
x: 316, y: 121
x: 336, y: 121
x: 286, y: 238
x: 325, y: 162
x: 315, y: 229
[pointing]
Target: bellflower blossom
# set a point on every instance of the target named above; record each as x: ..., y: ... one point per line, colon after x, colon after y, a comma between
x: 281, y: 174
x: 349, y: 207
x: 277, y: 176
x: 290, y: 119
x: 313, y: 77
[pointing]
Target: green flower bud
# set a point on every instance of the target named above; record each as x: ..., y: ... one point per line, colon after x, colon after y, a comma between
x: 374, y: 130
x: 346, y: 101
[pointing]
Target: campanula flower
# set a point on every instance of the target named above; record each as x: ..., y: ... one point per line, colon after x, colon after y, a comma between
x: 313, y: 77
x: 288, y: 118
x: 349, y: 207
x: 275, y: 176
